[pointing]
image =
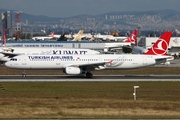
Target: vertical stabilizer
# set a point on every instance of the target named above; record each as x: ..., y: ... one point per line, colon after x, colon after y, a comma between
x: 133, y: 37
x: 79, y: 35
x: 161, y: 45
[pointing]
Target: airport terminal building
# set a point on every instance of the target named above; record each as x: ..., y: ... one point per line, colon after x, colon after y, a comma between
x: 60, y: 44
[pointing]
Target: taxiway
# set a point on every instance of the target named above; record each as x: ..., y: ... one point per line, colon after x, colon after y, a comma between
x: 65, y: 78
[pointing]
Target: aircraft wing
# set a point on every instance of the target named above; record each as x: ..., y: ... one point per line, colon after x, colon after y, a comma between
x: 89, y: 66
x: 163, y: 59
x: 159, y: 61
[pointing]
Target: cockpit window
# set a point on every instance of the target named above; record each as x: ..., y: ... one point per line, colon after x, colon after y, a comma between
x: 13, y: 59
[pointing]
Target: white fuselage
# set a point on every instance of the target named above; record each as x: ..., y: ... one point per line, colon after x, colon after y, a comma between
x: 91, y: 62
x: 117, y: 44
x: 42, y: 38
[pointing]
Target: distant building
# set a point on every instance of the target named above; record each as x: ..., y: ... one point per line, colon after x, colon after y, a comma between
x: 6, y: 23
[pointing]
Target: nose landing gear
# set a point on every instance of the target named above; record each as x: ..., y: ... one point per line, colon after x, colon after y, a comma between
x: 24, y: 73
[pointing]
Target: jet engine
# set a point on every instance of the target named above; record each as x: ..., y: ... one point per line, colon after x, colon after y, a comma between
x: 72, y: 70
x: 166, y: 63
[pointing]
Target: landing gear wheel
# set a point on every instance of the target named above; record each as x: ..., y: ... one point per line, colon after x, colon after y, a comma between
x: 24, y: 73
x: 89, y: 75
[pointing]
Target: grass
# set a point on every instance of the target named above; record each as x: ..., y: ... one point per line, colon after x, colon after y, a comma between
x: 89, y: 100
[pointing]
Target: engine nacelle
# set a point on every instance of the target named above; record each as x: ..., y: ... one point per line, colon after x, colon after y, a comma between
x: 166, y: 63
x: 72, y: 71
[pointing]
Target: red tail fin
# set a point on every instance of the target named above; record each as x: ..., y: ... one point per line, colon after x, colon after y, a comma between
x: 161, y: 45
x: 133, y: 37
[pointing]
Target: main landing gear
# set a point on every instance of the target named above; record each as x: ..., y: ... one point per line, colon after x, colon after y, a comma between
x: 24, y: 73
x: 89, y: 75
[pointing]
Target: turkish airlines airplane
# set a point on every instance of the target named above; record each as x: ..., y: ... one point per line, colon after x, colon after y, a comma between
x: 7, y: 53
x: 128, y: 42
x: 84, y: 64
x: 159, y: 48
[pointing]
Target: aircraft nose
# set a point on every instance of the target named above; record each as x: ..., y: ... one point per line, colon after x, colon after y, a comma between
x: 8, y: 64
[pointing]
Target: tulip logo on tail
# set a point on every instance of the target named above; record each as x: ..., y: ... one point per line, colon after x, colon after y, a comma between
x: 133, y: 37
x: 161, y: 46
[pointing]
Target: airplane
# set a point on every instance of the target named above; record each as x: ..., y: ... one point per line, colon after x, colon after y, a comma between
x: 104, y: 37
x: 76, y: 37
x: 159, y: 48
x: 127, y: 42
x: 84, y: 64
x: 115, y: 38
x: 44, y: 37
x: 6, y: 53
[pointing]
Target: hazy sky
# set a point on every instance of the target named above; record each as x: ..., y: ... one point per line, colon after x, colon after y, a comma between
x: 68, y: 8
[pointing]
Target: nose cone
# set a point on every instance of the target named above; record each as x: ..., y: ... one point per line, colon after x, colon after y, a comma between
x: 8, y: 64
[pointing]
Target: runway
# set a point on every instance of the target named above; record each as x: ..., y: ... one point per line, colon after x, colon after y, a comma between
x: 105, y: 78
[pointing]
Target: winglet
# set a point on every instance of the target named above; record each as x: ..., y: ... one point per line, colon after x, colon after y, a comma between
x: 161, y: 45
x: 133, y: 37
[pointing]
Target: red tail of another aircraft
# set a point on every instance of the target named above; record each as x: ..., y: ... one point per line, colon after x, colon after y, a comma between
x: 133, y: 37
x: 161, y: 45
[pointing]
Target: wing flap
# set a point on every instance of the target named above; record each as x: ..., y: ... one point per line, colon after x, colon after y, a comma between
x: 163, y: 60
x: 87, y: 66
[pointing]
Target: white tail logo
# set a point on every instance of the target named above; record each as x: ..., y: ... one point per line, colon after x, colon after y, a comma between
x: 161, y: 47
